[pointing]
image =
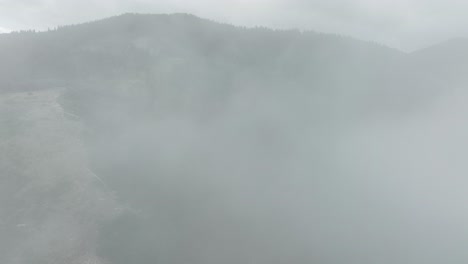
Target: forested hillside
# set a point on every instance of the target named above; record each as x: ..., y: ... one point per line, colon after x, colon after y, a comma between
x: 175, y: 139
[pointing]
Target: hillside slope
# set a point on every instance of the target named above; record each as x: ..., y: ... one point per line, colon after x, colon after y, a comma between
x: 227, y: 145
x: 51, y: 203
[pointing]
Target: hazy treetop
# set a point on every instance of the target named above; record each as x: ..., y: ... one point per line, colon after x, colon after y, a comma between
x: 405, y: 24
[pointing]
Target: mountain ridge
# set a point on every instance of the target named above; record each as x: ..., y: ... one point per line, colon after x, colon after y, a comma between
x: 190, y: 17
x: 132, y: 44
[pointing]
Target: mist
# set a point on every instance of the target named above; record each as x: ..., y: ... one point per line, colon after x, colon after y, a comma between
x: 408, y: 25
x: 171, y: 138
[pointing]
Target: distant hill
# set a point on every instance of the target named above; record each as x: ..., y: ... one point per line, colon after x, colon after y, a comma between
x: 180, y: 57
x: 133, y: 46
x: 184, y: 52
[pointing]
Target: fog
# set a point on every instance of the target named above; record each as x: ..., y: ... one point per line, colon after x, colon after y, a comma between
x: 176, y: 139
x: 404, y: 24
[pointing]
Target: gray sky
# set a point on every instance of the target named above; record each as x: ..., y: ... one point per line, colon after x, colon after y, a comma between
x: 404, y: 24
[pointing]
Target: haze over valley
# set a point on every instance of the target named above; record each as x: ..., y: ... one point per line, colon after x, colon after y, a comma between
x: 170, y: 138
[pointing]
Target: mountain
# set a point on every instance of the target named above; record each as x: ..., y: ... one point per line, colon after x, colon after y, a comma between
x: 148, y: 52
x: 175, y: 139
x: 447, y: 60
x: 198, y: 58
x: 130, y: 45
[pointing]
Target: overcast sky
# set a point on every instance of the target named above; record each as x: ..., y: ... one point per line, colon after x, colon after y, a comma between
x: 404, y: 24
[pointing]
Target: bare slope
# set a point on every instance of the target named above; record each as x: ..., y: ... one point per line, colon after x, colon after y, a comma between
x: 50, y: 202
